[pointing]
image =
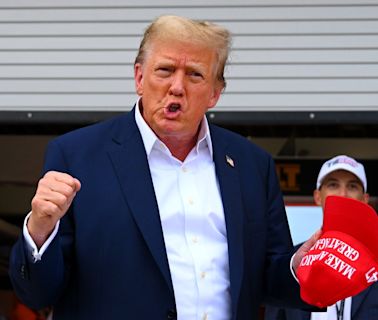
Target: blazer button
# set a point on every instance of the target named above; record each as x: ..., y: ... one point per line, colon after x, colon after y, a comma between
x: 171, y: 314
x: 22, y: 272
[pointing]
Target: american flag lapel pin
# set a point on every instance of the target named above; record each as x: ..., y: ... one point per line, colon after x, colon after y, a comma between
x: 230, y: 161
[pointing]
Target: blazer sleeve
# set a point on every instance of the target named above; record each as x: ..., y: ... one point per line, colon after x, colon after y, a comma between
x: 280, y: 285
x: 274, y: 313
x: 39, y: 284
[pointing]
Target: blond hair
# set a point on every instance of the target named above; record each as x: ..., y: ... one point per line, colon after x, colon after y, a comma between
x: 186, y: 30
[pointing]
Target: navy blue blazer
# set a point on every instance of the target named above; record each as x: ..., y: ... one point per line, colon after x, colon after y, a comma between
x: 364, y: 307
x: 109, y: 261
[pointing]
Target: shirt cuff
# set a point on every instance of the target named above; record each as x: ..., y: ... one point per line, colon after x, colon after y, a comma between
x: 30, y: 244
x: 292, y: 268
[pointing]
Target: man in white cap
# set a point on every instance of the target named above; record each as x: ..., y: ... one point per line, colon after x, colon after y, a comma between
x: 341, y: 176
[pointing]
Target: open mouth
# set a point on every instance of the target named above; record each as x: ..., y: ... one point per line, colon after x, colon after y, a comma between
x: 174, y: 107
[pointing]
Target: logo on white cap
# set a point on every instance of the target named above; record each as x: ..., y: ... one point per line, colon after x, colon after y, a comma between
x: 342, y: 163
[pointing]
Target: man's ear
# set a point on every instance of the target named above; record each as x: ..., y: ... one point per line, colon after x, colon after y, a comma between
x: 215, y: 96
x: 138, y: 78
x: 317, y: 197
x: 366, y: 197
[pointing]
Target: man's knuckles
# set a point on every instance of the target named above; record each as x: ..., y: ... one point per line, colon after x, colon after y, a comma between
x: 43, y: 207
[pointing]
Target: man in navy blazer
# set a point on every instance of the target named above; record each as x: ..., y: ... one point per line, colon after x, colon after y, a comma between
x: 156, y: 214
x: 341, y: 176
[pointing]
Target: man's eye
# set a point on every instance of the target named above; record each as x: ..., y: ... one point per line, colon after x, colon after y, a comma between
x: 163, y: 71
x: 195, y: 75
x: 332, y: 185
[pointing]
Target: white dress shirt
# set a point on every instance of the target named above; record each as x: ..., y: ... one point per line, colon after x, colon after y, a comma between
x: 193, y: 223
x: 331, y: 313
x: 194, y: 229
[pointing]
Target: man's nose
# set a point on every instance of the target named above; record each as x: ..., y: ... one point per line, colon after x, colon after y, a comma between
x: 343, y: 192
x: 177, y: 87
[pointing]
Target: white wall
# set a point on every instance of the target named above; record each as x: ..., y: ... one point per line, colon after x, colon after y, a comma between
x: 295, y: 55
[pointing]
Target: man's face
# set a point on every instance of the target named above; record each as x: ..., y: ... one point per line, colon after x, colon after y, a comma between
x: 177, y: 85
x: 340, y: 183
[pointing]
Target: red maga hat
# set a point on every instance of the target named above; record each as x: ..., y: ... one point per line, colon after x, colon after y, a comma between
x: 344, y: 260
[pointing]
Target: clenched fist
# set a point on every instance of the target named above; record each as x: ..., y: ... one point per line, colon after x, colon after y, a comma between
x: 53, y: 197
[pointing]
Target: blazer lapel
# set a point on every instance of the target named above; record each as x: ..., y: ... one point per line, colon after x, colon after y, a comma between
x: 357, y: 300
x: 227, y: 173
x: 131, y: 166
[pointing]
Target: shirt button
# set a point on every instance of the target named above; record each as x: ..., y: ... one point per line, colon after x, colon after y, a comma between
x: 195, y: 240
x: 203, y: 275
x: 191, y: 201
x: 184, y: 169
x: 204, y: 317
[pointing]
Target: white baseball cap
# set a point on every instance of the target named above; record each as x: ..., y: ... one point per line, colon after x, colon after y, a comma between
x: 342, y: 162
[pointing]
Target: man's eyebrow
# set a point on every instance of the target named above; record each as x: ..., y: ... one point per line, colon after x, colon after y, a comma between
x: 355, y: 181
x: 197, y: 64
x: 164, y: 62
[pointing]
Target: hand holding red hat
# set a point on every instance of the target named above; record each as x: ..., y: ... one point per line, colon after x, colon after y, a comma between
x: 304, y: 249
x: 344, y: 260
